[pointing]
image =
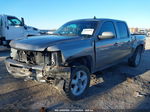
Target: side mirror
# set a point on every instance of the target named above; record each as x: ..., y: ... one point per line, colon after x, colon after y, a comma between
x: 106, y: 35
x: 22, y: 21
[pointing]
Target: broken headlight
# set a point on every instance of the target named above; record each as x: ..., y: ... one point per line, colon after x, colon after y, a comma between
x: 13, y: 53
x: 56, y: 58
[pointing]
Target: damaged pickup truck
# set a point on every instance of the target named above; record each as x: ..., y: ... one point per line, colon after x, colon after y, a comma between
x: 77, y: 49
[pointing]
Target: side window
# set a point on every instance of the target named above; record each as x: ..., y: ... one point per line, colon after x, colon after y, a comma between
x: 108, y: 27
x: 12, y: 21
x: 122, y: 28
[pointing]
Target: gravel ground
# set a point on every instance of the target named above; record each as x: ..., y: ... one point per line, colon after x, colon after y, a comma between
x: 119, y: 87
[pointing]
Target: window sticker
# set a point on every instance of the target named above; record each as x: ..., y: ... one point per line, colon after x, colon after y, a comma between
x: 87, y: 31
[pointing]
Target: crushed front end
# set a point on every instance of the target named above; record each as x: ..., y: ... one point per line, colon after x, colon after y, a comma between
x: 40, y: 66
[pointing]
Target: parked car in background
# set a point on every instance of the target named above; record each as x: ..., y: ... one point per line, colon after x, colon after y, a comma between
x: 143, y: 32
x: 43, y: 32
x: 79, y: 48
x: 50, y: 32
x: 32, y: 31
x: 47, y: 32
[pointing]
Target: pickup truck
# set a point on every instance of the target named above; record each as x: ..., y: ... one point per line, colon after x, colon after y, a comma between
x: 12, y: 28
x: 79, y: 48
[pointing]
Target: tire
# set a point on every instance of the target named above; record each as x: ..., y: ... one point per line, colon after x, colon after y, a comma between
x: 135, y: 60
x: 76, y: 87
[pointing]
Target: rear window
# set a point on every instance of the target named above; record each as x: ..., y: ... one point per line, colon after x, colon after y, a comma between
x: 122, y: 28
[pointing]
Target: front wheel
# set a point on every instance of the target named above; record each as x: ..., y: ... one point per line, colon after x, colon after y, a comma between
x: 76, y: 87
x: 136, y: 58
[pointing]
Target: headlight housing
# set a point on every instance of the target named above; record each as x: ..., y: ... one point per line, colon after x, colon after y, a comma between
x: 56, y: 58
x: 13, y: 53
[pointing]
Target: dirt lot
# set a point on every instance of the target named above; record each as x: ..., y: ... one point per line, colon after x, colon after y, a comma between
x: 121, y: 87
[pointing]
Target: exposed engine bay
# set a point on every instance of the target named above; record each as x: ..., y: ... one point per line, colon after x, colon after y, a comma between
x: 40, y: 66
x: 36, y: 57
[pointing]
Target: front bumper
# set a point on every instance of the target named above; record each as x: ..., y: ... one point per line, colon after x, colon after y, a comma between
x: 39, y: 73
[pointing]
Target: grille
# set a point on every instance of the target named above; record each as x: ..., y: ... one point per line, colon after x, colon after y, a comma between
x: 36, y: 58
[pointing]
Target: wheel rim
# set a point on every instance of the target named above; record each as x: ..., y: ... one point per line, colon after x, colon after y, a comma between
x: 79, y: 83
x: 138, y: 58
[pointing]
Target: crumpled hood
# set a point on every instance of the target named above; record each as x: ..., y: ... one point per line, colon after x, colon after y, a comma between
x: 39, y: 43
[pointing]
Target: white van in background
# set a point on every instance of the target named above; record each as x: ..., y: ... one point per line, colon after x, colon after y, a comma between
x: 12, y: 28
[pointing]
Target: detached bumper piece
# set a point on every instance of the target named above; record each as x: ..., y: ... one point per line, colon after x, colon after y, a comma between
x: 51, y: 74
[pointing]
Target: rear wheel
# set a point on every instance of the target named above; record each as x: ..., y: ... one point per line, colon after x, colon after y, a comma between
x: 136, y: 58
x: 77, y: 86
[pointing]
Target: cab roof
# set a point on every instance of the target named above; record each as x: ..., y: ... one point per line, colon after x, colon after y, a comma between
x: 98, y: 19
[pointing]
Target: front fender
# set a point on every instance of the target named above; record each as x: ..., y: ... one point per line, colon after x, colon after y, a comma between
x: 74, y: 49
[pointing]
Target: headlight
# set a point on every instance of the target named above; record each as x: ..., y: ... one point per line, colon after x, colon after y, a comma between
x: 56, y: 59
x: 13, y: 53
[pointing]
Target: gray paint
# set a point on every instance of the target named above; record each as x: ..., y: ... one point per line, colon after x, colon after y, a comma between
x: 39, y: 43
x: 102, y: 52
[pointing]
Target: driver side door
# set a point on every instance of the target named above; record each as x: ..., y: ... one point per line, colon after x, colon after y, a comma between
x: 14, y: 29
x: 107, y: 51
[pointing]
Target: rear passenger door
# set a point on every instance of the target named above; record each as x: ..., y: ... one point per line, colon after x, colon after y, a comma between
x: 107, y: 51
x: 125, y: 42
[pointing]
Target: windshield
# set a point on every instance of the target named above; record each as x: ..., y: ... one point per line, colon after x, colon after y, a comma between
x: 77, y: 28
x: 13, y: 21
